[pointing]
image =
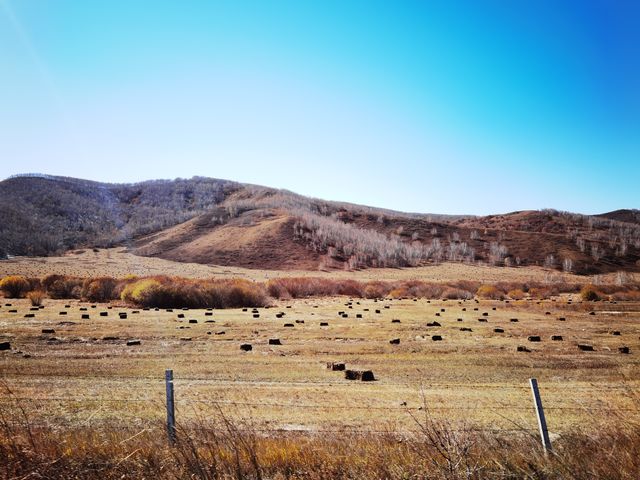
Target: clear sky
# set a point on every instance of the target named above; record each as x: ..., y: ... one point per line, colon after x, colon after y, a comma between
x: 445, y: 107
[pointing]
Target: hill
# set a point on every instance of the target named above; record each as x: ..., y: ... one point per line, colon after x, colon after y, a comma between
x: 221, y: 222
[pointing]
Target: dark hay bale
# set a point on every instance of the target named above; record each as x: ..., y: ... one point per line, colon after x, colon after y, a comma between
x: 29, y: 315
x: 324, y: 324
x: 557, y: 338
x: 459, y: 319
x: 437, y: 314
x: 256, y: 315
x: 464, y: 309
x: 498, y: 330
x: 358, y: 315
x: 592, y: 313
x: 169, y: 310
x: 562, y: 319
x: 615, y: 332
x: 484, y: 320
x: 279, y: 315
x: 134, y: 312
x: 299, y: 321
x: 85, y: 316
x: 377, y: 311
x: 585, y: 348
x: 104, y: 314
x: 336, y: 366
x: 246, y: 347
x: 363, y: 375
x: 110, y: 338
x: 522, y: 348
x: 288, y: 324
x: 193, y: 320
x: 436, y: 338
x: 62, y: 313
x: 122, y: 316
x: 433, y: 324
x: 442, y: 310
x: 5, y: 346
x: 624, y: 350
x: 185, y: 339
x: 245, y: 309
x: 83, y: 309
x: 345, y: 315
x: 181, y: 315
x: 466, y: 329
x: 209, y: 321
x: 48, y: 330
x: 222, y: 332
x: 514, y: 320
x: 485, y: 314
x: 387, y: 306
x: 534, y: 338
x: 131, y: 343
x: 34, y: 309
x: 208, y: 314
x: 275, y: 341
x: 13, y: 311
x: 394, y: 341
x: 395, y: 320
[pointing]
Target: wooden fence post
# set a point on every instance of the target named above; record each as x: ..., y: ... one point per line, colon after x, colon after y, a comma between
x: 171, y: 414
x: 542, y: 423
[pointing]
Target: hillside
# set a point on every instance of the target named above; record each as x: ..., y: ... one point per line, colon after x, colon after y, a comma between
x: 220, y: 222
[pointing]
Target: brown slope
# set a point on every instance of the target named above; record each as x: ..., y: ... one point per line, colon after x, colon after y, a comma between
x: 254, y: 240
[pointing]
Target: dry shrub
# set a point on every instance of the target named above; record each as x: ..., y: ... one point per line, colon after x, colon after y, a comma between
x: 301, y: 287
x: 628, y: 296
x: 451, y: 293
x: 61, y: 286
x: 540, y: 293
x: 352, y: 288
x: 590, y: 293
x: 140, y: 292
x: 516, y: 294
x: 14, y: 286
x: 101, y: 289
x: 36, y: 297
x: 489, y: 292
x: 376, y: 290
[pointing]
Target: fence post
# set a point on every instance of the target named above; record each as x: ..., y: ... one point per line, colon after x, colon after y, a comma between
x: 171, y: 414
x: 542, y: 423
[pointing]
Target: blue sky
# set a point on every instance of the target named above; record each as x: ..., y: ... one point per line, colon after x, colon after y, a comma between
x: 446, y: 107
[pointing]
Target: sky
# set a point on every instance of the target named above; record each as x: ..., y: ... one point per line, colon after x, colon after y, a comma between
x: 458, y: 107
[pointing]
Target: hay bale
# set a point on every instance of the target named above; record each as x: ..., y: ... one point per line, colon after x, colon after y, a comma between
x: 131, y: 343
x: 324, y: 324
x: 484, y: 320
x: 513, y: 320
x: 275, y: 341
x: 299, y: 321
x: 5, y: 346
x: 562, y: 319
x: 48, y: 330
x: 556, y: 338
x: 62, y: 313
x: 246, y: 347
x: 336, y: 366
x: 288, y: 325
x: 256, y: 315
x: 181, y: 315
x: 85, y: 316
x: 498, y: 330
x: 437, y: 314
x: 208, y: 314
x: 394, y: 341
x: 122, y: 316
x: 185, y: 339
x: 624, y: 350
x: 29, y: 315
x: 395, y: 320
x: 585, y: 348
x: 362, y: 375
x: 110, y: 338
x: 378, y: 311
x: 615, y: 332
x: 522, y: 348
x: 222, y: 332
x: 534, y: 338
x: 466, y: 329
x: 193, y: 320
x: 436, y: 338
x: 433, y: 324
x: 485, y: 314
x: 104, y: 314
x: 358, y: 315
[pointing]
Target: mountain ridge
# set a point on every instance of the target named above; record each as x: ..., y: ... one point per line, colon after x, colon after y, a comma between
x: 214, y: 221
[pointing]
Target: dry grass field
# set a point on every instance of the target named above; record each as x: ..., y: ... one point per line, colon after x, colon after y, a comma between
x: 76, y: 372
x: 118, y: 262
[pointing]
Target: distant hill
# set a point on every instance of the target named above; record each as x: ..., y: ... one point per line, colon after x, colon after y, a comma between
x: 222, y: 222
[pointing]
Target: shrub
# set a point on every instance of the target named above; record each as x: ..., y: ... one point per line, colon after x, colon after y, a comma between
x: 36, y: 297
x: 61, y: 286
x: 589, y: 293
x: 540, y: 292
x: 142, y: 292
x: 515, y: 294
x: 99, y: 290
x: 14, y: 286
x: 490, y: 292
x: 456, y: 294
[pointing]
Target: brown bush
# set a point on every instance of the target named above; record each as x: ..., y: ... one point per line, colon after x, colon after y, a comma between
x: 516, y: 294
x: 490, y: 292
x: 101, y: 289
x: 456, y: 294
x: 14, y: 286
x: 61, y: 286
x: 36, y: 297
x: 590, y: 293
